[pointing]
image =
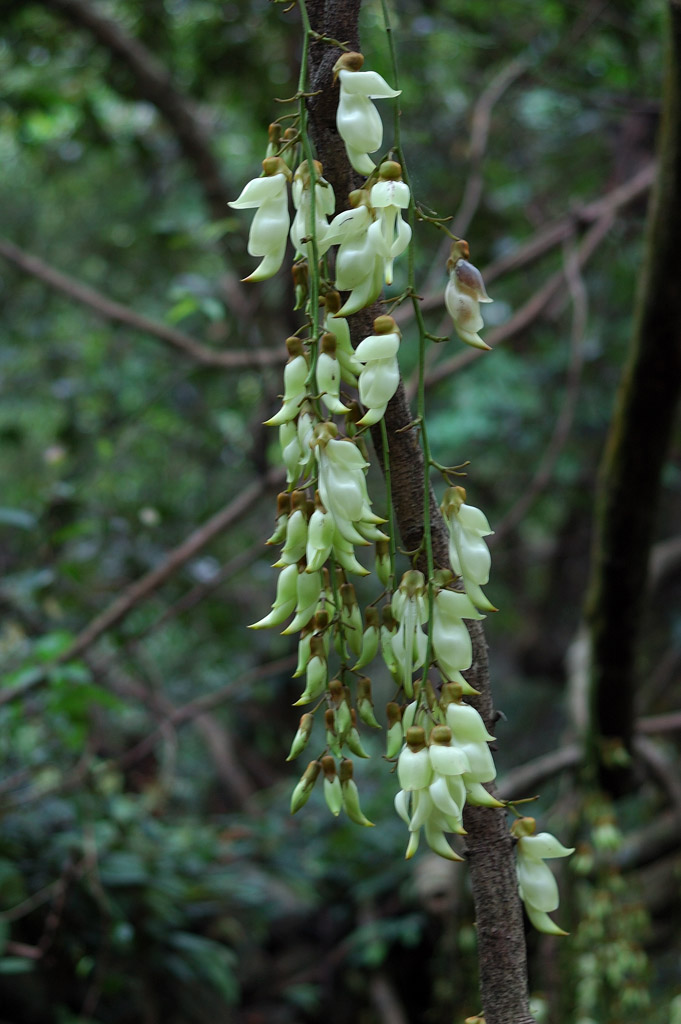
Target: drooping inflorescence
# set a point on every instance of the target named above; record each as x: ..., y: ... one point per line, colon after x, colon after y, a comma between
x: 332, y: 392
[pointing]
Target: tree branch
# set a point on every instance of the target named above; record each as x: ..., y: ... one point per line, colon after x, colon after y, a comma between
x: 117, y: 313
x: 141, y: 589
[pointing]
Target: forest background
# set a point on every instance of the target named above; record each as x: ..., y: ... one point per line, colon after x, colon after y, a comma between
x: 149, y: 869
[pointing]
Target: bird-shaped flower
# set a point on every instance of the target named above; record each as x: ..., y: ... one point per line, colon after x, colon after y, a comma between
x: 295, y: 376
x: 410, y: 609
x: 389, y: 235
x: 380, y: 373
x: 304, y: 225
x: 342, y: 487
x: 358, y: 122
x: 468, y: 552
x: 359, y: 268
x: 464, y: 292
x: 536, y: 883
x: 269, y: 230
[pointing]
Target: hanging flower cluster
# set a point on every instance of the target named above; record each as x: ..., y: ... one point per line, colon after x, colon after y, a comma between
x: 332, y: 392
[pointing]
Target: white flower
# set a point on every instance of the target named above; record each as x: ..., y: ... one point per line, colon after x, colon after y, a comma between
x: 451, y: 640
x: 463, y: 295
x: 359, y: 268
x: 319, y: 537
x: 414, y: 769
x: 269, y: 230
x: 343, y: 490
x: 339, y: 327
x: 536, y: 883
x: 380, y: 373
x: 328, y: 375
x: 410, y: 608
x: 358, y: 122
x: 325, y: 202
x: 295, y: 377
x: 433, y: 793
x: 284, y: 601
x: 389, y: 234
x: 290, y: 450
x: 468, y: 552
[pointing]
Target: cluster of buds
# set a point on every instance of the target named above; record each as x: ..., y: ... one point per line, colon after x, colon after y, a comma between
x: 332, y: 392
x: 442, y: 765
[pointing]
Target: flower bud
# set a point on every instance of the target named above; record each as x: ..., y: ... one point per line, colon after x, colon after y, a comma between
x: 394, y: 736
x: 302, y: 791
x: 365, y: 706
x: 283, y: 509
x: 333, y: 793
x: 303, y: 651
x: 351, y: 795
x: 302, y: 736
x: 328, y: 374
x: 295, y: 378
x: 300, y: 275
x: 284, y: 601
x: 383, y: 564
x: 316, y: 672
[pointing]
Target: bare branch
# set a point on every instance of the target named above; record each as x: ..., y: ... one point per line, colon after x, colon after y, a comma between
x: 480, y: 126
x: 141, y: 589
x: 117, y: 313
x: 527, y: 777
x: 554, y: 234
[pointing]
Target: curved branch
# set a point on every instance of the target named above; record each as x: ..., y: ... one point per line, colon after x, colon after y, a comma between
x: 480, y: 126
x: 117, y: 313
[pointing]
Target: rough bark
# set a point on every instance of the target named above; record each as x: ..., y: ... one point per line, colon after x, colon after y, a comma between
x: 501, y: 941
x: 635, y: 452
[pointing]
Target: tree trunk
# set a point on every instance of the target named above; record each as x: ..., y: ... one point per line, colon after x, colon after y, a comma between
x: 635, y: 454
